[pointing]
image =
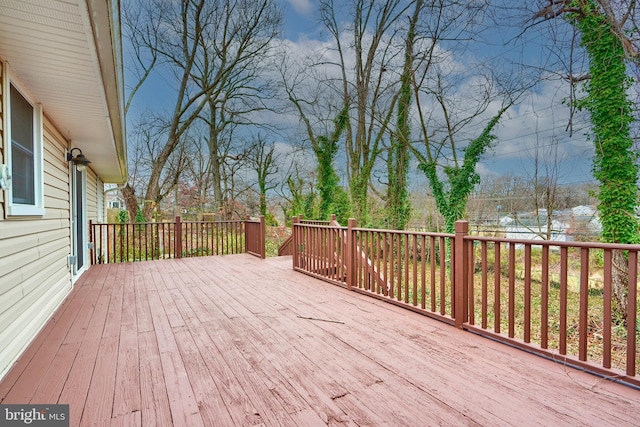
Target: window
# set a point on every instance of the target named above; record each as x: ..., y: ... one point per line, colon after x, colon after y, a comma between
x: 24, y: 152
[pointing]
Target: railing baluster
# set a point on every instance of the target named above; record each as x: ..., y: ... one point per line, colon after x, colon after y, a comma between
x: 392, y: 266
x: 216, y: 231
x: 164, y: 241
x: 388, y: 247
x: 102, y: 261
x: 414, y: 300
x: 423, y: 273
x: 544, y: 311
x: 563, y: 298
x: 312, y: 249
x: 379, y: 286
x: 443, y: 275
x: 485, y: 283
x: 632, y: 305
x: 221, y: 238
x: 607, y: 295
x: 497, y: 288
x: 145, y: 229
x: 168, y: 242
x: 115, y: 253
x: 337, y: 254
x: 471, y: 305
x: 225, y: 238
x: 584, y: 304
x: 433, y: 255
x: 322, y: 247
x: 527, y: 293
x: 512, y: 289
x: 451, y: 268
x: 358, y: 259
x: 399, y: 252
x: 121, y: 241
x: 405, y: 266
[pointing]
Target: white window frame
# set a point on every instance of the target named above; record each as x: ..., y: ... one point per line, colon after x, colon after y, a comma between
x: 20, y: 209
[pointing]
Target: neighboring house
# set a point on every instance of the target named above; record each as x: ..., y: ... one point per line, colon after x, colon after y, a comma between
x: 578, y: 223
x: 584, y: 223
x: 529, y: 226
x: 61, y: 92
x: 115, y: 202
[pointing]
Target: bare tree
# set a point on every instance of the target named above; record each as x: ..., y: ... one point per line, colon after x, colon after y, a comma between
x: 397, y: 198
x: 297, y: 189
x: 208, y: 46
x: 547, y: 163
x: 364, y: 52
x: 458, y: 107
x: 324, y: 118
x: 144, y: 143
x: 236, y: 49
x: 137, y: 24
x: 264, y: 161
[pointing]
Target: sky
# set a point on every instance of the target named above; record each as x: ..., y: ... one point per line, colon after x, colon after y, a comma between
x: 299, y: 19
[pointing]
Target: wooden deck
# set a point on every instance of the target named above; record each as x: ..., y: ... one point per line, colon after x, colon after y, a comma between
x: 236, y: 340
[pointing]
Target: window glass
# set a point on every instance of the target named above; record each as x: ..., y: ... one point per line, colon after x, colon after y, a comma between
x: 22, y: 149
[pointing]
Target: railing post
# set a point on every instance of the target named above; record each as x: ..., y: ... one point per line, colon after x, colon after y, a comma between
x: 262, y: 236
x: 460, y: 274
x: 177, y: 232
x: 351, y: 254
x: 247, y: 235
x: 295, y: 250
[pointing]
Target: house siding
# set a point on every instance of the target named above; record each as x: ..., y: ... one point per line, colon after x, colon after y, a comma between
x: 1, y: 136
x: 92, y: 196
x: 34, y: 275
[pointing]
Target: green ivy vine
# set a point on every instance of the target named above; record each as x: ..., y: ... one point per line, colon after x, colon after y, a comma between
x: 615, y: 162
x: 452, y: 202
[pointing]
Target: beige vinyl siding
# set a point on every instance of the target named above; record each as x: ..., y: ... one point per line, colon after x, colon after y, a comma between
x: 100, y: 205
x: 34, y: 275
x: 3, y: 193
x: 92, y: 196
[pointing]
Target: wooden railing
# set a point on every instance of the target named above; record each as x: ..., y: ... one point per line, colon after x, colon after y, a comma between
x: 255, y: 238
x: 286, y: 248
x: 552, y: 298
x: 115, y: 242
x: 320, y: 250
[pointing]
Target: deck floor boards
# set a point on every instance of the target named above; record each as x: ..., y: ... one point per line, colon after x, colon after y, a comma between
x: 235, y: 340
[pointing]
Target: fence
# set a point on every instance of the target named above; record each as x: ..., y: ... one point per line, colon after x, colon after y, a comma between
x: 113, y: 243
x: 551, y: 298
x: 286, y: 248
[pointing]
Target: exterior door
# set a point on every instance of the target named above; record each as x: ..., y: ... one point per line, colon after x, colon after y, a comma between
x: 78, y: 219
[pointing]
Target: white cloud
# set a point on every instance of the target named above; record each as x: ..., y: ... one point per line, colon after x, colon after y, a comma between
x: 303, y: 7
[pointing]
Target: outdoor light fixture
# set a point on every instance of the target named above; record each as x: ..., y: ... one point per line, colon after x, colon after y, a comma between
x: 80, y: 160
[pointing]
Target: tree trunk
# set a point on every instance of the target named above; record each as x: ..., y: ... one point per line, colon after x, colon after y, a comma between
x: 359, y: 196
x: 130, y: 201
x: 615, y: 162
x: 620, y: 285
